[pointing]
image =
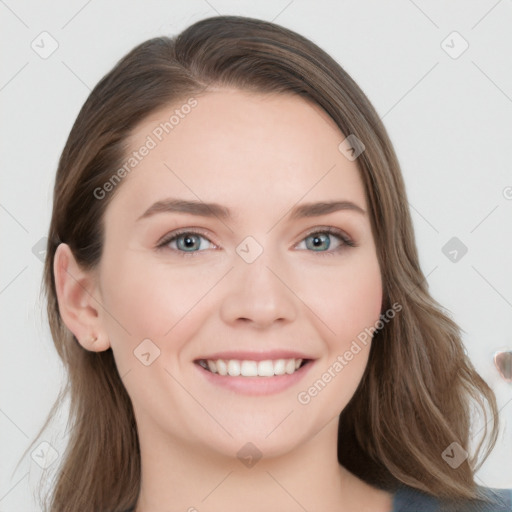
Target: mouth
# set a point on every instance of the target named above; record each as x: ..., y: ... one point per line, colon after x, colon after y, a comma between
x: 253, y: 373
x: 251, y: 368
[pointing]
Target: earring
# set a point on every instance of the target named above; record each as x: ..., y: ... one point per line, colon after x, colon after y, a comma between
x: 93, y: 339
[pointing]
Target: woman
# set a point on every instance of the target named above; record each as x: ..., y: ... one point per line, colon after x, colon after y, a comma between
x: 234, y: 288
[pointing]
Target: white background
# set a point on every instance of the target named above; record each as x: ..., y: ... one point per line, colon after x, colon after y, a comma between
x: 449, y: 119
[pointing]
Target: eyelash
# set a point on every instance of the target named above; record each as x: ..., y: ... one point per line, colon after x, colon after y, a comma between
x: 345, y: 240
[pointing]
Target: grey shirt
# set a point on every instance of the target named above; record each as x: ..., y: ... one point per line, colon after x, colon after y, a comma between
x: 409, y: 499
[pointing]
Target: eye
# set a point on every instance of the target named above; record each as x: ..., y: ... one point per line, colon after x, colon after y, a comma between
x: 187, y: 242
x: 321, y: 239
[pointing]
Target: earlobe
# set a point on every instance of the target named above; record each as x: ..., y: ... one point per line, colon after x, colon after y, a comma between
x: 78, y: 306
x: 95, y: 343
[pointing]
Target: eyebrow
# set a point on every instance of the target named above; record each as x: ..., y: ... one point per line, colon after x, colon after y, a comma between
x: 202, y: 209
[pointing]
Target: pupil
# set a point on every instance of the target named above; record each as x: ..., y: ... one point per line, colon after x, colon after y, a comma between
x: 188, y: 242
x: 319, y: 240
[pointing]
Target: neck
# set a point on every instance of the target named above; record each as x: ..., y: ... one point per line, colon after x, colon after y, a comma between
x: 185, y: 476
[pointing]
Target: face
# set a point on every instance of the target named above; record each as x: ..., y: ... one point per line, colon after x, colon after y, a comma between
x: 266, y: 280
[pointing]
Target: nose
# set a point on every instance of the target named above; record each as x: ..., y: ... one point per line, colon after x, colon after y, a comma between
x: 260, y: 294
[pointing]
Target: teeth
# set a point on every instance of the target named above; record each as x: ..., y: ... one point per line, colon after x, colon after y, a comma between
x: 233, y: 368
x: 222, y: 367
x: 280, y: 366
x: 249, y: 369
x: 290, y: 366
x: 267, y: 368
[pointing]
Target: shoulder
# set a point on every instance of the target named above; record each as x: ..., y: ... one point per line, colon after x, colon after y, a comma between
x: 408, y: 499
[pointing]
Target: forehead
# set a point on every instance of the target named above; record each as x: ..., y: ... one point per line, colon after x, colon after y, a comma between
x: 240, y: 149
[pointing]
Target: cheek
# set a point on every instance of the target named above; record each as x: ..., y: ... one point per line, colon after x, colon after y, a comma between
x: 149, y: 299
x: 152, y: 301
x: 348, y: 299
x: 139, y: 304
x: 349, y: 311
x: 349, y: 307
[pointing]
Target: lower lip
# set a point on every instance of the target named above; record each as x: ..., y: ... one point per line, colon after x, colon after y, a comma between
x: 256, y: 385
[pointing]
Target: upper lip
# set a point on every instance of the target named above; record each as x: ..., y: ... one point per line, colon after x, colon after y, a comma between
x: 255, y: 356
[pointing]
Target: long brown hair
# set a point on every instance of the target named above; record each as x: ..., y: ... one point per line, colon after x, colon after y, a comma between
x: 416, y: 395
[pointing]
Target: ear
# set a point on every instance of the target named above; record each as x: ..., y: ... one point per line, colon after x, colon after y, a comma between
x: 79, y: 300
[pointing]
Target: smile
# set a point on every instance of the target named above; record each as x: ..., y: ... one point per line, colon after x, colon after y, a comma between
x: 248, y: 368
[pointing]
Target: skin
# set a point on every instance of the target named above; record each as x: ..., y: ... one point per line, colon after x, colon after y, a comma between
x: 260, y: 156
